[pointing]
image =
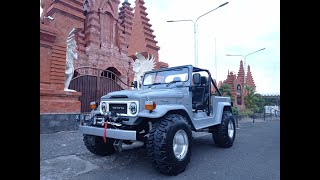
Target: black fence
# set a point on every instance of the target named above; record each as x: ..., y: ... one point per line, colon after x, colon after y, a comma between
x: 260, y: 116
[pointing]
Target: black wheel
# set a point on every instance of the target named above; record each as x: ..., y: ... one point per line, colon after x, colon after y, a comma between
x: 96, y: 145
x: 169, y: 144
x: 224, y: 133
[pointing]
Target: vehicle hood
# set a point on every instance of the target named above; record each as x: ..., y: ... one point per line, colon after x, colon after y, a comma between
x: 143, y: 93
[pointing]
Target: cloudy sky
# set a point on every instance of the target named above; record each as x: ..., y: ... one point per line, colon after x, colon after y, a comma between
x: 239, y: 28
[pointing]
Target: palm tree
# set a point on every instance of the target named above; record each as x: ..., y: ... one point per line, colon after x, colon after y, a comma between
x: 253, y: 100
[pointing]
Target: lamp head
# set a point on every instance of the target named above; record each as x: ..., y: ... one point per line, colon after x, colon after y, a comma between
x: 50, y: 18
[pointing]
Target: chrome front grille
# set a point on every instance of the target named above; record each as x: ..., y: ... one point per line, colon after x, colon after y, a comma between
x: 121, y: 108
x: 118, y: 108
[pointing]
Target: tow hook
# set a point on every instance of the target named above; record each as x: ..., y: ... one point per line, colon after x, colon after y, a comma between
x: 118, y: 145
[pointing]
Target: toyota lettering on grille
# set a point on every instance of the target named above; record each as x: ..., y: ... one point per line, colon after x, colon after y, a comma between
x: 116, y: 108
x: 119, y: 108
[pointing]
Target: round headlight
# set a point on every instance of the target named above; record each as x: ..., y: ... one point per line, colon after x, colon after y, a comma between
x: 133, y: 108
x: 104, y: 107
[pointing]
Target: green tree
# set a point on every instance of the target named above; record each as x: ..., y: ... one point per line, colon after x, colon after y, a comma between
x: 271, y: 101
x: 249, y: 98
x: 225, y: 90
x: 259, y: 102
x: 235, y: 110
x: 252, y: 100
x: 246, y: 112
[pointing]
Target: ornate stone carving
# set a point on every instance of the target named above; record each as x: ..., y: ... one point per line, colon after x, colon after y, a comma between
x: 142, y: 65
x: 71, y: 56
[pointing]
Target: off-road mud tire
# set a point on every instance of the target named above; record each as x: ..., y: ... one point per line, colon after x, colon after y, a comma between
x: 220, y: 132
x: 96, y: 145
x: 160, y: 144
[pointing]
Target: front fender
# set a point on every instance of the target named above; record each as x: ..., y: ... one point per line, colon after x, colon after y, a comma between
x: 220, y: 107
x: 160, y: 111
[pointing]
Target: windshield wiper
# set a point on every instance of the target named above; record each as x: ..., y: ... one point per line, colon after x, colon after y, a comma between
x: 153, y: 84
x: 172, y: 83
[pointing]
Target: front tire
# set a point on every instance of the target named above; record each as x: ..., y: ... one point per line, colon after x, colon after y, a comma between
x: 224, y: 133
x: 169, y: 144
x: 96, y: 145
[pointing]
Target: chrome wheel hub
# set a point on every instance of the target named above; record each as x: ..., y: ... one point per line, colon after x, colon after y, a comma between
x: 230, y: 129
x: 180, y: 144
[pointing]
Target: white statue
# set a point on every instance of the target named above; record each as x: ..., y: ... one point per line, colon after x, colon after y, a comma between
x: 142, y: 65
x: 70, y: 57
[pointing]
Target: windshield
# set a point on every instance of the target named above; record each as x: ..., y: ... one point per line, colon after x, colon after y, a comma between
x: 166, y: 76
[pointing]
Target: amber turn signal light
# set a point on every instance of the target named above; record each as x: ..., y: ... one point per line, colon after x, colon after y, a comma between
x: 150, y: 105
x: 93, y: 105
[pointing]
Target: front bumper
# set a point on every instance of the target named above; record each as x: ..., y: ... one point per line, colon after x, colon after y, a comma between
x: 110, y: 133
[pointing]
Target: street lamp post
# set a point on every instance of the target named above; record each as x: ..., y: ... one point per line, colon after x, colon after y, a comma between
x: 195, y: 31
x: 244, y: 61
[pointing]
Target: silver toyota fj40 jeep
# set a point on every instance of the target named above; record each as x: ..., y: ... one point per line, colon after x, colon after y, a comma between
x: 162, y: 113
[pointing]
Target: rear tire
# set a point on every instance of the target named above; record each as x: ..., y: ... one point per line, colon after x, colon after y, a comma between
x: 169, y: 144
x: 96, y: 145
x: 224, y: 133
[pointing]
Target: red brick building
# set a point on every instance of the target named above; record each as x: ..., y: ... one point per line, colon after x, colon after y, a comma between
x: 236, y: 83
x: 107, y: 37
x: 108, y: 34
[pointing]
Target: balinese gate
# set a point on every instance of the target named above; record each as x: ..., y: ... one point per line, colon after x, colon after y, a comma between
x: 94, y: 83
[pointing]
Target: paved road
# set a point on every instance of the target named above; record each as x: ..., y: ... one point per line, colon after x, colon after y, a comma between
x: 254, y: 155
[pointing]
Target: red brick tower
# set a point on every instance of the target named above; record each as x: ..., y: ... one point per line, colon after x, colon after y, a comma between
x: 103, y: 35
x: 101, y: 24
x: 67, y: 14
x: 125, y: 19
x: 102, y: 43
x: 53, y: 36
x: 250, y: 81
x: 142, y: 38
x: 240, y: 82
x: 236, y: 82
x: 58, y: 108
x: 241, y: 74
x: 230, y: 80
